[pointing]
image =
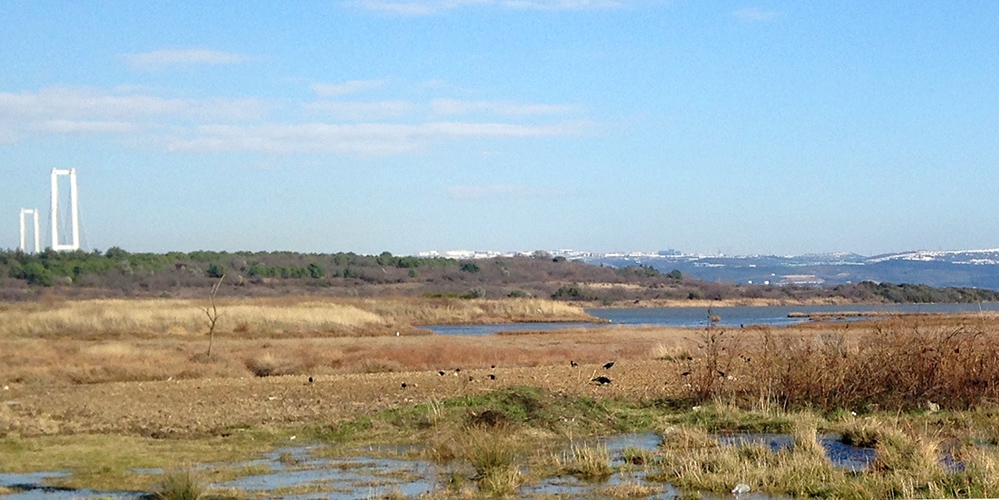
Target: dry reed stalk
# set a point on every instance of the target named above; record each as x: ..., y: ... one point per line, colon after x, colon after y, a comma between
x: 116, y: 318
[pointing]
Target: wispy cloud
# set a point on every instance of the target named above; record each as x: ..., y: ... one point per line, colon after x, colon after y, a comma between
x: 459, y: 107
x: 504, y: 191
x: 753, y: 14
x: 159, y: 60
x: 424, y: 7
x: 86, y: 127
x: 66, y: 103
x: 357, y: 139
x: 59, y: 110
x: 348, y: 87
x: 214, y: 125
x: 362, y: 110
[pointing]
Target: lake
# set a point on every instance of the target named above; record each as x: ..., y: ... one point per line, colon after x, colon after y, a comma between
x: 694, y: 317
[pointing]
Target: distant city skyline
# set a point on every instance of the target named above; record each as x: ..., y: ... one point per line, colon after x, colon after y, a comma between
x: 733, y: 127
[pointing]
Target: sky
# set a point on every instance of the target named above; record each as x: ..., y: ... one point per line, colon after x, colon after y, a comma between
x: 734, y: 127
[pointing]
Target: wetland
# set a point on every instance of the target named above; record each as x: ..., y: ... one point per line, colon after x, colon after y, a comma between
x: 320, y: 398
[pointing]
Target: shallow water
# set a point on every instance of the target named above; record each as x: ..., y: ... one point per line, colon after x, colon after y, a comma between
x: 841, y: 455
x: 304, y: 472
x: 572, y: 487
x: 697, y: 317
x: 32, y: 486
x: 302, y: 475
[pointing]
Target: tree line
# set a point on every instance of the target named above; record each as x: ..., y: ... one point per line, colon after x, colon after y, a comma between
x: 117, y: 272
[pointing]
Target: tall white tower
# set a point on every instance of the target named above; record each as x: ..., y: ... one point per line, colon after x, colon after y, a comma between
x: 38, y: 234
x: 74, y: 207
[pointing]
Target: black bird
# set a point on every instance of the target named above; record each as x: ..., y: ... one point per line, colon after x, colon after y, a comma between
x: 457, y: 370
x: 492, y: 376
x: 684, y: 374
x: 721, y: 374
x: 310, y: 380
x: 601, y: 380
x: 403, y: 385
x: 470, y: 378
x: 494, y: 367
x: 608, y: 365
x: 573, y: 364
x: 440, y: 372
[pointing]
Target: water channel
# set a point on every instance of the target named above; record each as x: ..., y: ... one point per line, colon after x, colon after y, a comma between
x: 731, y: 317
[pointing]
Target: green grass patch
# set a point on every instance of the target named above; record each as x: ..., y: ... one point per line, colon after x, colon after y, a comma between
x: 105, y: 462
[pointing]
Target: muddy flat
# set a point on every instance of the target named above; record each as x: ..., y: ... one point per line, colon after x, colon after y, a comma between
x: 211, y: 406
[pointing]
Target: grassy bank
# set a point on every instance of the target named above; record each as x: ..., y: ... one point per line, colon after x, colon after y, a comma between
x: 493, y: 443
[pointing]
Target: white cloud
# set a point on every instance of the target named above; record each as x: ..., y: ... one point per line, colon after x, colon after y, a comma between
x: 362, y: 110
x: 423, y: 7
x: 358, y: 139
x: 502, y: 191
x: 75, y: 103
x: 159, y: 60
x: 7, y: 135
x: 753, y: 14
x: 348, y: 87
x: 82, y: 126
x: 562, y: 4
x: 211, y: 125
x: 459, y: 107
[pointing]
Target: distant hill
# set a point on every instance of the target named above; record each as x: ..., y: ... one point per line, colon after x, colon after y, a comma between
x: 965, y: 268
x: 600, y: 280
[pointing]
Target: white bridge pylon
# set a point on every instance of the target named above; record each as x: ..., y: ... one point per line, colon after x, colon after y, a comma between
x: 74, y: 206
x: 38, y: 235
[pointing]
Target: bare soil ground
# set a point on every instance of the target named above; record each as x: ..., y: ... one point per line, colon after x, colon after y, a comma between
x: 217, y: 406
x: 356, y: 376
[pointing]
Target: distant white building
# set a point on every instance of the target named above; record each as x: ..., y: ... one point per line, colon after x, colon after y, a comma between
x: 801, y: 280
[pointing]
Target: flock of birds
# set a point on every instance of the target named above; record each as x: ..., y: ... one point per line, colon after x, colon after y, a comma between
x: 600, y: 380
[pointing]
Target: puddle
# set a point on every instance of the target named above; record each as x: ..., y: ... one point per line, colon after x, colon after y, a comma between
x: 30, y: 486
x: 776, y: 442
x: 297, y: 470
x: 852, y: 458
x: 849, y: 457
x: 572, y: 487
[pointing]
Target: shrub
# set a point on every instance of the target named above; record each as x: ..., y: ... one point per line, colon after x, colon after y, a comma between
x: 316, y: 271
x: 216, y: 270
x: 470, y: 267
x: 34, y: 273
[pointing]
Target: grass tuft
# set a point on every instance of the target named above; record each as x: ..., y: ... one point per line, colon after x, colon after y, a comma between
x: 585, y: 462
x: 501, y: 481
x: 184, y: 485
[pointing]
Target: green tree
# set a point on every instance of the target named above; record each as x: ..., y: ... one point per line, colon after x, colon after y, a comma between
x: 36, y: 274
x: 216, y: 270
x: 316, y: 271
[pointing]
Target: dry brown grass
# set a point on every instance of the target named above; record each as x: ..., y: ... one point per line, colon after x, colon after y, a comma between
x: 899, y: 363
x: 263, y: 317
x: 71, y: 360
x: 902, y: 362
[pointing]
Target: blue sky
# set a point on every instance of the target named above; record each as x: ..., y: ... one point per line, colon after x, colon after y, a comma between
x: 603, y: 125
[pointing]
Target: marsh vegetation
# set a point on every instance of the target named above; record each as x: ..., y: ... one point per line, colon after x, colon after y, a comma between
x: 103, y: 388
